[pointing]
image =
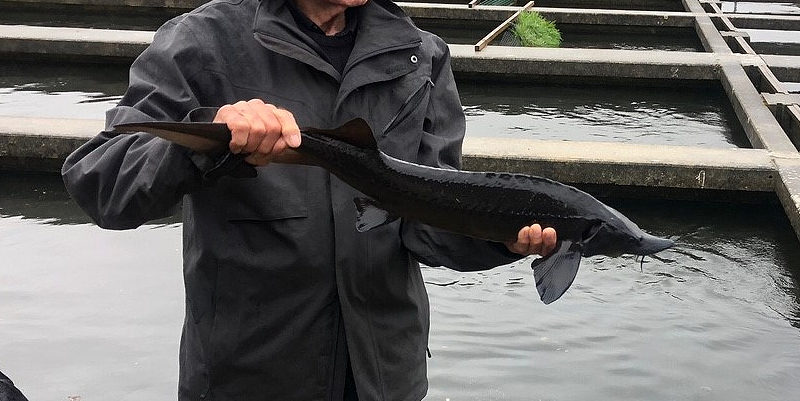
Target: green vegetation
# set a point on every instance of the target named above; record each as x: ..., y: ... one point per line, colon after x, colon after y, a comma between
x: 533, y: 30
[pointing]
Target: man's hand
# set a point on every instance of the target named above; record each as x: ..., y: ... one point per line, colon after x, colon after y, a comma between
x: 532, y: 240
x: 259, y: 130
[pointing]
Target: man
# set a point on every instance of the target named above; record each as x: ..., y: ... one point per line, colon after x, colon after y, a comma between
x: 284, y: 299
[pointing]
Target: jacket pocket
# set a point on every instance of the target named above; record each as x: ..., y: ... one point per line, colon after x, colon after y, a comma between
x: 278, y: 192
x: 409, y: 105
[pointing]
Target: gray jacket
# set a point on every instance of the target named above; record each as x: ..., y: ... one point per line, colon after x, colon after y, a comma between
x: 271, y: 262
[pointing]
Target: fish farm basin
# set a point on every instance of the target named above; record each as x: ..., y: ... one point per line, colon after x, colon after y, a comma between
x: 677, y: 113
x: 694, y: 114
x: 583, y: 36
x: 699, y: 115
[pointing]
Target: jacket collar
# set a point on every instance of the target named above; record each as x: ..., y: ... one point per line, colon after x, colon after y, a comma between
x: 382, y: 27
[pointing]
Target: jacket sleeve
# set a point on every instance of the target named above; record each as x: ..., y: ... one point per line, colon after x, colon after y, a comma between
x: 122, y: 181
x: 442, y: 137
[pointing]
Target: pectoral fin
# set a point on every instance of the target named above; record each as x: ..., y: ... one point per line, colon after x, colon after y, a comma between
x: 370, y: 215
x: 555, y: 272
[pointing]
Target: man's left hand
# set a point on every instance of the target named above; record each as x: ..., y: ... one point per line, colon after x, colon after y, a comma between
x: 533, y: 240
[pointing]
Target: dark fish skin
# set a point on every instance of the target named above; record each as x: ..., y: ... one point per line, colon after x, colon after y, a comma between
x: 486, y: 205
x: 491, y: 206
x: 9, y: 392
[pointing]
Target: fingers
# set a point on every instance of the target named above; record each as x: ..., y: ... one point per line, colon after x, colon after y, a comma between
x: 259, y: 130
x: 532, y: 240
x: 290, y: 130
x: 549, y: 240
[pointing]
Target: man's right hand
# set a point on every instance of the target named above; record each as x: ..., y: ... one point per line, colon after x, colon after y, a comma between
x: 260, y: 130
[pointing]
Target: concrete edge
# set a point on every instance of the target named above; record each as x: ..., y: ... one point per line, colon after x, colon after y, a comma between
x: 42, y: 144
x: 654, y: 64
x: 709, y: 34
x: 787, y: 188
x: 759, y: 123
x: 625, y: 164
x: 786, y: 68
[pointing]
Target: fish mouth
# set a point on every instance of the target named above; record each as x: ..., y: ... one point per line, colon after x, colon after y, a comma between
x: 651, y: 244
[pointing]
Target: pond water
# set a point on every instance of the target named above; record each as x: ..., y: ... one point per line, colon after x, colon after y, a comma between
x: 665, y: 116
x: 56, y: 91
x: 592, y: 37
x: 97, y: 314
x: 676, y: 116
x: 81, y: 18
x: 747, y: 7
x: 773, y: 35
x: 580, y: 36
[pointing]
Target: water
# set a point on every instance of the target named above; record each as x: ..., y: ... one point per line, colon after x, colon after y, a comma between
x: 702, y: 321
x: 773, y: 35
x: 60, y: 91
x: 664, y: 116
x: 84, y: 311
x: 667, y: 39
x: 612, y: 113
x: 582, y: 36
x: 97, y: 313
x: 745, y: 7
x: 72, y: 18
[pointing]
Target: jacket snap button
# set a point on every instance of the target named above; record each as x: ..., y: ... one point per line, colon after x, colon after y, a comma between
x: 414, y: 58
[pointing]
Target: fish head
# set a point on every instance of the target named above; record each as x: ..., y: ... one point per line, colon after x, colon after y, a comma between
x: 620, y: 236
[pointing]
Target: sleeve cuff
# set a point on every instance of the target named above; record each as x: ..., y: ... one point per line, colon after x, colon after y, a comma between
x: 218, y: 165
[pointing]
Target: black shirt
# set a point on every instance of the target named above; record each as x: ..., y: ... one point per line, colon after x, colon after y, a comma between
x: 336, y: 48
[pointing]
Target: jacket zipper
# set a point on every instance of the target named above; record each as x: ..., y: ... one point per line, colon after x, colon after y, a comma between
x: 419, y: 93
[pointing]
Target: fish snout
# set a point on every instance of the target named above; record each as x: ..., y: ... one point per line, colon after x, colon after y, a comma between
x: 650, y: 244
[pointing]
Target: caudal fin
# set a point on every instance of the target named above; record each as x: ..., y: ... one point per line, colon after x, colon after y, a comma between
x: 555, y: 273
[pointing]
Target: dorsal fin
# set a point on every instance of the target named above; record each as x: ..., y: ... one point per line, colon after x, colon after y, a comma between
x: 355, y: 132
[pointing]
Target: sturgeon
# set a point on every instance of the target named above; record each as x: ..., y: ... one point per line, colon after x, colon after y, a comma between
x: 486, y: 205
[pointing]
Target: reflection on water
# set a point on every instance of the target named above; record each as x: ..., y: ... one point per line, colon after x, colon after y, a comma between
x: 82, y: 19
x: 578, y: 36
x: 631, y: 41
x: 716, y: 318
x: 97, y: 313
x: 85, y: 311
x: 629, y: 38
x: 68, y: 91
x: 773, y: 35
x: 746, y: 7
x: 693, y: 117
x: 589, y: 113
